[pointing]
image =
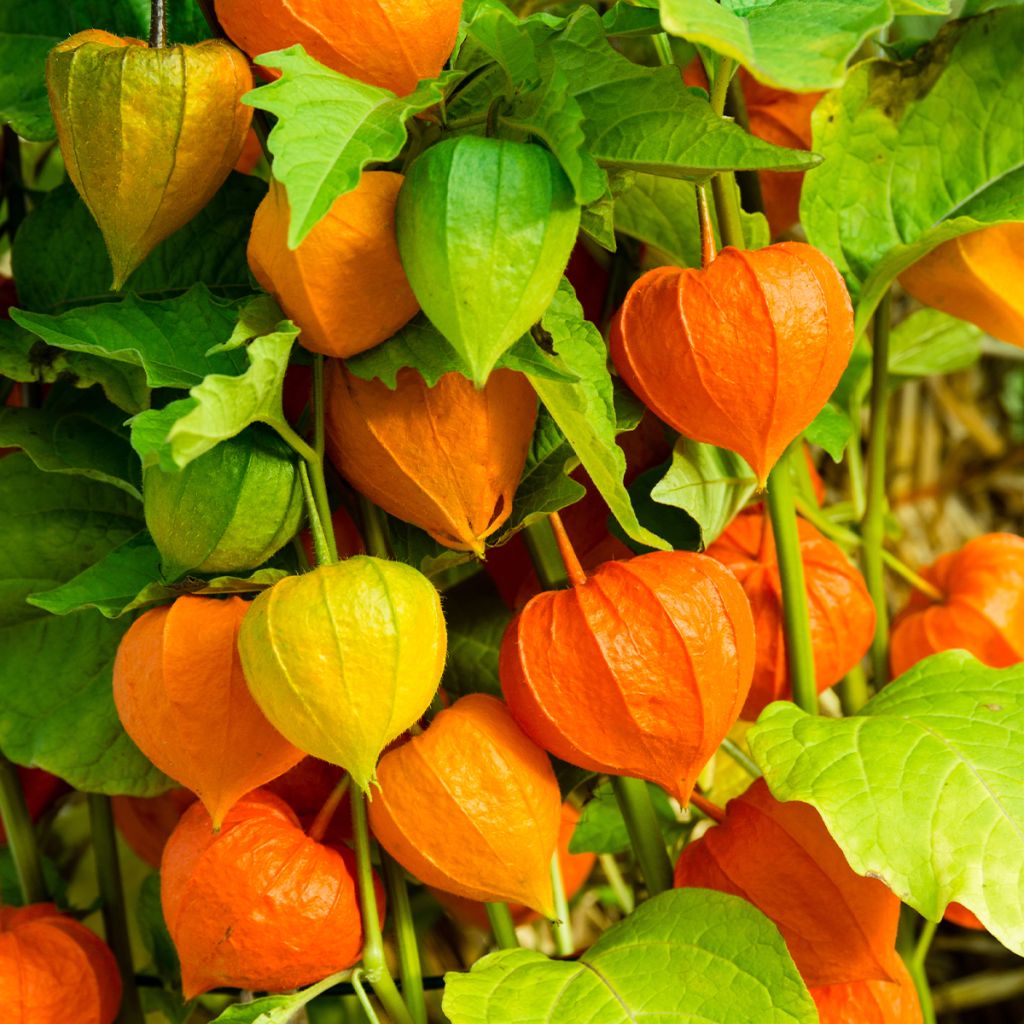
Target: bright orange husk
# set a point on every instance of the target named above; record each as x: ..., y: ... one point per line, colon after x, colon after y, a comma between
x: 146, y: 822
x: 258, y: 905
x: 842, y: 616
x: 983, y: 609
x: 344, y: 285
x: 742, y: 354
x: 390, y: 43
x: 639, y: 671
x: 976, y: 277
x: 53, y: 970
x: 472, y: 806
x: 957, y: 913
x: 447, y: 459
x: 838, y: 926
x: 576, y: 868
x: 182, y: 697
x: 870, y: 1002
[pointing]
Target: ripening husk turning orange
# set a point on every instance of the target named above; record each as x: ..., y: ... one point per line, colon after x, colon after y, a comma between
x: 742, y: 354
x: 390, y: 43
x: 146, y: 822
x: 842, y: 615
x: 639, y: 671
x: 344, y: 285
x: 447, y: 459
x: 182, y: 697
x: 147, y: 135
x: 259, y: 904
x: 54, y: 970
x: 472, y: 806
x: 982, y: 611
x: 975, y: 277
x: 870, y: 1002
x: 838, y: 926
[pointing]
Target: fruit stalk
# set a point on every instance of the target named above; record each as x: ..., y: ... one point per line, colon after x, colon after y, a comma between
x: 795, y: 617
x: 317, y: 501
x: 915, y: 965
x: 873, y: 524
x: 502, y: 925
x: 157, y: 23
x: 115, y: 920
x: 723, y: 188
x: 562, y: 927
x: 21, y: 835
x: 405, y: 936
x: 634, y: 802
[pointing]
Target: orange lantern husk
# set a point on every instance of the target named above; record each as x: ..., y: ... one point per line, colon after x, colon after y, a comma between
x: 472, y: 806
x: 841, y: 613
x: 146, y: 822
x: 870, y: 1002
x: 982, y: 610
x: 640, y: 670
x: 839, y: 927
x: 743, y: 353
x: 446, y: 458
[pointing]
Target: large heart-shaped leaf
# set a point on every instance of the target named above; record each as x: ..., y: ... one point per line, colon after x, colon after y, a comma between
x: 919, y: 152
x: 686, y: 955
x: 922, y: 788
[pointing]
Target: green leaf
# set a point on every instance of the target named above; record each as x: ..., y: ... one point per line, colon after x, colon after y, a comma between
x: 602, y: 829
x: 476, y: 619
x: 931, y: 343
x: 60, y: 260
x: 56, y: 705
x: 921, y: 788
x: 83, y: 435
x: 23, y: 101
x: 679, y: 528
x: 800, y: 45
x: 277, y: 1009
x: 329, y: 128
x: 646, y: 119
x: 918, y: 153
x: 708, y: 483
x: 685, y: 955
x: 153, y: 929
x: 628, y: 19
x: 168, y: 338
x: 831, y: 429
x: 585, y: 411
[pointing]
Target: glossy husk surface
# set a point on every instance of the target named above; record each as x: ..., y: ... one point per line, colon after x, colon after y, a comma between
x: 147, y: 135
x: 54, y: 970
x: 259, y: 904
x: 983, y: 608
x: 640, y: 671
x: 472, y: 806
x: 182, y: 697
x: 842, y: 616
x: 345, y: 658
x: 390, y: 43
x: 839, y: 927
x: 344, y: 285
x: 447, y: 459
x: 742, y: 354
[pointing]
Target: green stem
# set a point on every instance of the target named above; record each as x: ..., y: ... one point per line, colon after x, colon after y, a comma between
x: 916, y: 966
x: 316, y: 526
x: 723, y: 186
x: 502, y: 925
x: 741, y: 757
x: 795, y: 616
x: 623, y: 893
x: 374, y: 530
x: 663, y: 48
x: 634, y: 802
x: 318, y: 407
x: 562, y: 924
x: 315, y: 468
x: 21, y: 835
x: 873, y: 524
x: 720, y: 86
x: 115, y: 920
x: 544, y: 553
x: 854, y: 692
x: 405, y: 936
x: 364, y: 999
x: 374, y: 964
x: 855, y: 466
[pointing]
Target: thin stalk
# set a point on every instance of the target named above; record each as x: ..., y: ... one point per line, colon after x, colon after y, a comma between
x: 634, y: 802
x: 741, y: 757
x: 708, y: 250
x: 873, y: 524
x: 854, y: 691
x: 364, y: 999
x: 730, y: 224
x: 795, y: 616
x: 21, y: 835
x: 318, y: 406
x: 562, y: 925
x: 323, y: 818
x: 663, y: 48
x: 316, y: 526
x: 707, y: 808
x: 502, y: 925
x: 374, y: 530
x: 545, y: 555
x: 573, y: 569
x: 855, y: 467
x: 623, y: 893
x: 720, y: 86
x: 115, y: 920
x: 374, y: 964
x: 315, y: 468
x: 157, y: 24
x: 916, y: 967
x: 405, y: 937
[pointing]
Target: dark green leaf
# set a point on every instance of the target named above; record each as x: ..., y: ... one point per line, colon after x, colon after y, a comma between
x: 153, y: 929
x: 679, y: 528
x: 476, y: 618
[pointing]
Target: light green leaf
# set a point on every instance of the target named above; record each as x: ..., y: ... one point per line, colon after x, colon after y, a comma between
x: 918, y: 153
x: 800, y: 45
x: 685, y: 955
x: 602, y: 829
x: 832, y: 430
x: 329, y: 128
x: 708, y: 483
x: 168, y: 338
x: 277, y: 1009
x: 922, y: 788
x: 929, y: 343
x: 56, y: 706
x: 921, y: 6
x: 585, y: 411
